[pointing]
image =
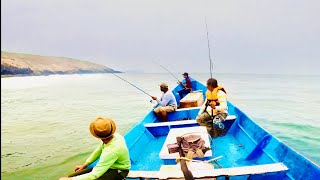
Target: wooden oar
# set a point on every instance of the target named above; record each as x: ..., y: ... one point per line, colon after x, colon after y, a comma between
x: 184, y: 168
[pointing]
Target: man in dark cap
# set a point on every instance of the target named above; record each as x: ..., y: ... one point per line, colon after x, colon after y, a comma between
x: 186, y: 83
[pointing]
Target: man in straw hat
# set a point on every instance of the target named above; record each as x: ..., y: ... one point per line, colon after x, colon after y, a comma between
x: 167, y: 103
x: 114, y: 162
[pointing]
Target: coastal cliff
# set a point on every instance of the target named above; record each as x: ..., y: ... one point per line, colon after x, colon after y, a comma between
x: 26, y: 64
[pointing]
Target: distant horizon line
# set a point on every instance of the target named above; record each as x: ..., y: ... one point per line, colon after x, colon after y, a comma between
x: 190, y: 74
x: 248, y: 73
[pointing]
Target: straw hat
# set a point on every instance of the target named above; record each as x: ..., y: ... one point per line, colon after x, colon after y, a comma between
x: 163, y: 85
x: 102, y: 127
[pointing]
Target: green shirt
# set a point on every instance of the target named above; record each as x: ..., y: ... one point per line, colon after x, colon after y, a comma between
x: 114, y: 155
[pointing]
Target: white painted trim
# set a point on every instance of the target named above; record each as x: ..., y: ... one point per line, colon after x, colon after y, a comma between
x: 233, y: 171
x: 170, y: 123
x: 190, y: 108
x: 143, y: 174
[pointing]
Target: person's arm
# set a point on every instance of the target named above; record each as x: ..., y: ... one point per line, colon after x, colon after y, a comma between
x: 183, y: 83
x: 165, y: 100
x: 222, y: 97
x: 94, y: 155
x: 202, y: 107
x: 188, y: 84
x: 107, y: 159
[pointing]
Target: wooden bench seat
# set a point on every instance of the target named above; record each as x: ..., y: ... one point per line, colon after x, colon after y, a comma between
x: 233, y: 171
x: 192, y: 99
x: 180, y: 122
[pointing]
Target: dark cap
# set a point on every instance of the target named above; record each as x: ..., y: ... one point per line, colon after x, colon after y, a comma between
x: 186, y: 74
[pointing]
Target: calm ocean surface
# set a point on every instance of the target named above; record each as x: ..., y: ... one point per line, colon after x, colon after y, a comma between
x: 45, y: 119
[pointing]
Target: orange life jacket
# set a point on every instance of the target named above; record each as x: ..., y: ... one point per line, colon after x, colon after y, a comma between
x: 212, y: 95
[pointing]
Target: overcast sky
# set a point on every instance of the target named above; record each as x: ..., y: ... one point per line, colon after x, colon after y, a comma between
x: 247, y: 36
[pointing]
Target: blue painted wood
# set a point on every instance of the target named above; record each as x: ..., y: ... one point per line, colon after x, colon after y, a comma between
x: 245, y: 144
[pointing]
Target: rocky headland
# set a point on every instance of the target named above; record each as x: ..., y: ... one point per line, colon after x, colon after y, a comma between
x: 18, y: 64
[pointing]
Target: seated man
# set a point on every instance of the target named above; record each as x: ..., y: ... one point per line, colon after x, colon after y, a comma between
x: 114, y: 162
x: 167, y: 103
x: 186, y: 83
x: 214, y: 110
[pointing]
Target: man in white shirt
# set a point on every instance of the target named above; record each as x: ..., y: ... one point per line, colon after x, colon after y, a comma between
x: 167, y: 103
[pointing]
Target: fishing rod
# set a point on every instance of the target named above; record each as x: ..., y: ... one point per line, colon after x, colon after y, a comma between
x: 168, y: 71
x: 211, y: 66
x: 132, y: 84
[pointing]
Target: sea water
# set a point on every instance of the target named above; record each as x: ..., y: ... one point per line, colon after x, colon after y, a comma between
x: 45, y: 119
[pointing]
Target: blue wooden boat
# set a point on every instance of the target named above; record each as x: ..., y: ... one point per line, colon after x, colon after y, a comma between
x: 246, y: 151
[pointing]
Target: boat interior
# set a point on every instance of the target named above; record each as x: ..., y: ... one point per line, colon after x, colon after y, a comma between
x: 244, y: 151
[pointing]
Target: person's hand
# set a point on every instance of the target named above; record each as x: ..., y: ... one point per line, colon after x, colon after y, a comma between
x: 213, y: 104
x: 154, y: 98
x: 179, y: 82
x: 79, y: 168
x: 65, y: 178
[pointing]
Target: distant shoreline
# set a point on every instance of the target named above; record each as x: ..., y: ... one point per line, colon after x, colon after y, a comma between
x: 19, y: 64
x: 28, y: 75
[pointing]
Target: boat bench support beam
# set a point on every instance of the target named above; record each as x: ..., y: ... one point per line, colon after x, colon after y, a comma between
x: 162, y: 128
x: 263, y: 169
x: 182, y: 122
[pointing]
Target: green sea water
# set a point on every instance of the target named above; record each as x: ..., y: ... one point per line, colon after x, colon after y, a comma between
x: 45, y: 119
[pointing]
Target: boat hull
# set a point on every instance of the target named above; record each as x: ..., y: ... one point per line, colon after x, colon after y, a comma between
x: 246, y: 145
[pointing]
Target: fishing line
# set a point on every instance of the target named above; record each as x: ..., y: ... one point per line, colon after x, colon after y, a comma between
x: 132, y: 84
x: 168, y: 71
x: 211, y: 64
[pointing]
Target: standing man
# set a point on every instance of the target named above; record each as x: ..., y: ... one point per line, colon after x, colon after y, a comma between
x: 186, y: 83
x: 167, y: 103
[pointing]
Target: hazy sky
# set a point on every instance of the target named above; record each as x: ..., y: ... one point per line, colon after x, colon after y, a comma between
x: 247, y: 36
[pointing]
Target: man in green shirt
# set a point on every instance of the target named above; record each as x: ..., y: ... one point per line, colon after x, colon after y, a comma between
x: 114, y: 162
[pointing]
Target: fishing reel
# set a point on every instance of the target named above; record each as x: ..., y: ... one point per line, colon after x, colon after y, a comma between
x: 154, y: 103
